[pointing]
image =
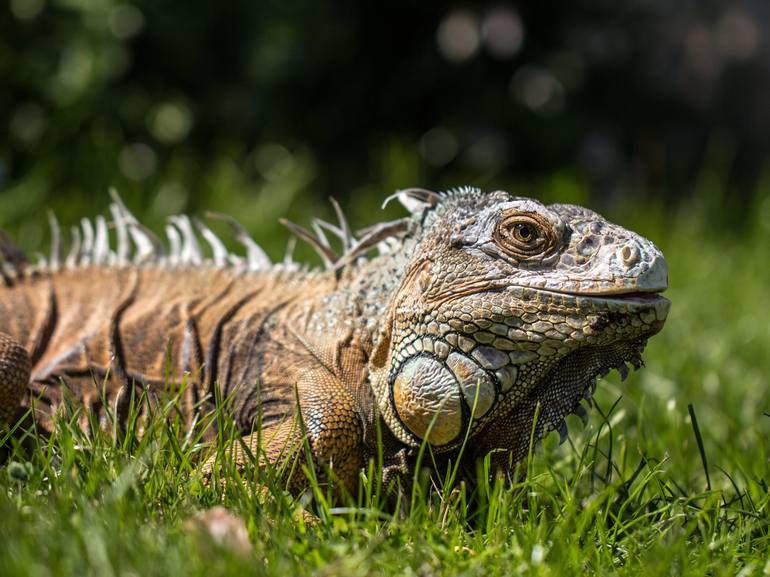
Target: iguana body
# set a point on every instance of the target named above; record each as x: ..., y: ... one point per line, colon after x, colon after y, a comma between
x: 480, y: 309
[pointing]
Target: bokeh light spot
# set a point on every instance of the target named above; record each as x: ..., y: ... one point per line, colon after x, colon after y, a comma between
x: 28, y: 123
x: 458, y: 36
x: 502, y: 32
x: 703, y: 58
x: 438, y: 146
x: 538, y: 89
x: 489, y: 151
x: 273, y: 161
x: 737, y: 35
x: 125, y: 21
x: 171, y: 198
x: 170, y: 122
x: 27, y: 9
x: 137, y: 161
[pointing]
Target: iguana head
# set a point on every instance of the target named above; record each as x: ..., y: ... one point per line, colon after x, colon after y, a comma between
x: 509, y: 307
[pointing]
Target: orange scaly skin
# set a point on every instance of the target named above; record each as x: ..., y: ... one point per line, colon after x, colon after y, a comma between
x: 479, y: 309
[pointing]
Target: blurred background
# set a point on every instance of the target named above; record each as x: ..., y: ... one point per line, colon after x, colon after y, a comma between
x: 263, y: 109
x: 653, y: 112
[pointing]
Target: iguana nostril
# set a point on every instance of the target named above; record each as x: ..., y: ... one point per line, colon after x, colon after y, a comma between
x: 629, y: 255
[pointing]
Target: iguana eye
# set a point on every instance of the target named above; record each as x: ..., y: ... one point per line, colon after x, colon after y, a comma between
x: 524, y: 235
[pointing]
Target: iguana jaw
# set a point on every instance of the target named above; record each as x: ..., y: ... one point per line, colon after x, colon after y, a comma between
x: 566, y: 389
x: 596, y: 363
x: 593, y: 362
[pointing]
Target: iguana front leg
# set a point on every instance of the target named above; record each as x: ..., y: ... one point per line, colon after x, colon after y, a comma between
x: 15, y: 368
x: 325, y: 426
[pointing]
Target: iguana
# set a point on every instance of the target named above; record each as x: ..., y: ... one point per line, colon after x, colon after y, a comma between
x: 479, y: 312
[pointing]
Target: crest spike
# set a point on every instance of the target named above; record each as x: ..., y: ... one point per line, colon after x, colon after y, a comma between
x: 347, y: 237
x: 88, y: 241
x: 327, y: 255
x: 372, y: 237
x: 101, y: 250
x: 73, y: 257
x: 175, y: 244
x: 121, y: 231
x: 220, y: 253
x: 415, y: 200
x: 191, y: 249
x: 56, y: 247
x: 256, y: 257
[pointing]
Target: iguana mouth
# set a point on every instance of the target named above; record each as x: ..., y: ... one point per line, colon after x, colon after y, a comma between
x: 631, y: 302
x: 640, y: 296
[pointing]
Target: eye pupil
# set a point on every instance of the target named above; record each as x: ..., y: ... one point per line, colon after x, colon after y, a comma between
x: 523, y: 232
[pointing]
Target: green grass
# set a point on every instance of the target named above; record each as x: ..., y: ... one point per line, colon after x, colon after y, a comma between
x: 629, y: 494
